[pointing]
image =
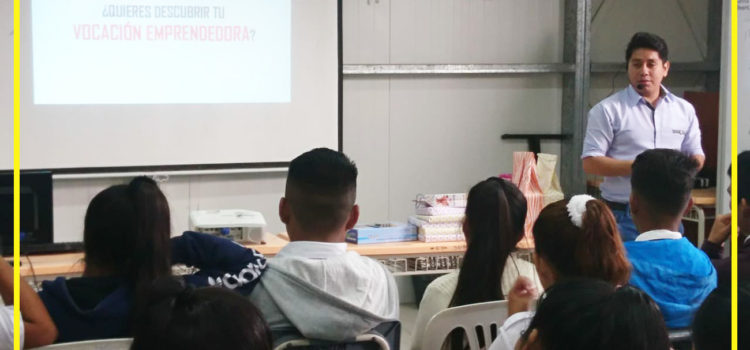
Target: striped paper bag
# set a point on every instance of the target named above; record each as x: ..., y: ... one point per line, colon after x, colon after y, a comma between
x: 525, y: 177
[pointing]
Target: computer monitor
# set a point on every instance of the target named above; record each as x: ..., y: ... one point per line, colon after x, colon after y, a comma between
x: 36, y: 210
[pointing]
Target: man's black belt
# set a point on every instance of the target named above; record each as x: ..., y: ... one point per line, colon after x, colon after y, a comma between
x: 616, y: 205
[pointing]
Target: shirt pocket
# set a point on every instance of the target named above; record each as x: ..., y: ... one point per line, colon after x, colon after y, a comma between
x: 672, y: 136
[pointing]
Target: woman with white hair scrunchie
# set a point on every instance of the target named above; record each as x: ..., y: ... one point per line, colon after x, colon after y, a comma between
x: 577, y: 238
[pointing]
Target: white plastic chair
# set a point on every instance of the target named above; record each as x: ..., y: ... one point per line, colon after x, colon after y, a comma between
x: 363, y: 338
x: 469, y: 318
x: 99, y: 344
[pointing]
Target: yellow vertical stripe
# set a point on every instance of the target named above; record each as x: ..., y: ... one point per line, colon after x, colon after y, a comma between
x: 16, y: 166
x: 733, y: 111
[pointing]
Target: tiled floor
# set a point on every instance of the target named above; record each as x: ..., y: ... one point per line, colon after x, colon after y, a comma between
x: 408, y: 317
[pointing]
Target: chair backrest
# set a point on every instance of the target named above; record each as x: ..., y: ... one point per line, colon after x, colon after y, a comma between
x: 477, y: 320
x: 377, y: 341
x: 385, y: 336
x: 681, y: 339
x: 99, y: 344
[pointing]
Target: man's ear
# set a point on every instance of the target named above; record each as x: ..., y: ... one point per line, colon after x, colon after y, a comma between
x: 666, y: 68
x: 284, y: 210
x: 689, y: 206
x: 635, y: 205
x: 353, y: 217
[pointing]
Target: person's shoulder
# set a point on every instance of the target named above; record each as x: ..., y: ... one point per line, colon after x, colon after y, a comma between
x: 610, y: 104
x: 445, y: 284
x: 616, y: 98
x: 681, y: 104
x: 522, y: 264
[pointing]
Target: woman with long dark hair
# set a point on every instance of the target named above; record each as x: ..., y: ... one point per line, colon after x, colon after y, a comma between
x: 573, y: 239
x: 126, y: 239
x: 495, y: 216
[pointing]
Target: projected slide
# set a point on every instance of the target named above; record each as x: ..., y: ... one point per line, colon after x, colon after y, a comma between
x: 161, y: 52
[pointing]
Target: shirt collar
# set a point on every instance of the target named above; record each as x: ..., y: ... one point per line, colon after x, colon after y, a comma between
x: 312, y: 250
x: 654, y: 235
x: 634, y: 97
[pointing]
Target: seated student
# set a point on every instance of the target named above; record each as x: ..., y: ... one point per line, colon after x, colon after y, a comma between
x: 595, y: 315
x: 495, y: 215
x: 314, y: 286
x: 721, y: 229
x: 180, y: 317
x: 712, y: 326
x: 37, y: 328
x: 127, y: 246
x: 666, y: 265
x: 573, y: 239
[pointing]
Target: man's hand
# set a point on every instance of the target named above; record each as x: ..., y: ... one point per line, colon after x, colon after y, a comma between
x: 721, y: 229
x: 521, y: 295
x: 701, y: 160
x: 606, y: 166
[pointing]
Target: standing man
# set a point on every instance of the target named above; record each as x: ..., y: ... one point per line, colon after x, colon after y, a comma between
x: 643, y: 116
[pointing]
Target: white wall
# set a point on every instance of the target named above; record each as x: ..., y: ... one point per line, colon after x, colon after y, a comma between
x: 417, y: 134
x: 6, y: 89
x: 743, y: 76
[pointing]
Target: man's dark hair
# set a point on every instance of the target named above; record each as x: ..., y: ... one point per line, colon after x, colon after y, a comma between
x: 179, y: 316
x: 743, y: 176
x: 321, y: 189
x: 643, y: 40
x: 594, y: 314
x: 712, y: 325
x: 664, y: 178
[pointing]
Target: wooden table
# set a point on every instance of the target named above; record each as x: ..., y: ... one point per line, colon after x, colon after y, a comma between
x: 71, y: 264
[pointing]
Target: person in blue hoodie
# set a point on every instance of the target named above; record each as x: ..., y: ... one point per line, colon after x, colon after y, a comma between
x: 127, y: 246
x: 676, y: 274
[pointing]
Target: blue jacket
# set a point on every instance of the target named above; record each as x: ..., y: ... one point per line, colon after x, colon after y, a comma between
x: 676, y: 274
x: 221, y: 263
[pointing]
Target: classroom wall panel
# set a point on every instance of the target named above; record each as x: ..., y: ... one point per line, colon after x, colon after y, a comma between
x: 367, y: 141
x: 366, y: 34
x: 743, y: 77
x: 6, y: 88
x: 445, y: 132
x: 617, y: 21
x: 489, y: 31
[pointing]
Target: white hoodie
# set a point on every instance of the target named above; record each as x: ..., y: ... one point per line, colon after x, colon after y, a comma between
x: 325, y: 292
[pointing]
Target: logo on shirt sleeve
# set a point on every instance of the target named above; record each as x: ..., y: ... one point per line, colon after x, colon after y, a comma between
x: 679, y: 132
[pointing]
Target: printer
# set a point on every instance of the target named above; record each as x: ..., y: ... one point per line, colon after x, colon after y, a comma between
x: 240, y: 225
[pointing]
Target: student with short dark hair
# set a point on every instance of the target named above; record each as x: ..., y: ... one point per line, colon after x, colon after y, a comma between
x: 180, y: 317
x: 666, y: 265
x: 644, y: 115
x: 712, y: 326
x: 493, y: 226
x: 722, y: 228
x: 314, y: 286
x: 576, y: 238
x: 595, y: 315
x: 126, y: 247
